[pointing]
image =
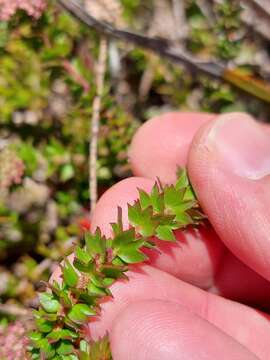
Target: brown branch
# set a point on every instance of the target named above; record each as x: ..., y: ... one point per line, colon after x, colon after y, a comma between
x: 165, y: 49
x: 158, y: 45
x: 255, y: 14
x: 261, y: 5
x: 94, y: 130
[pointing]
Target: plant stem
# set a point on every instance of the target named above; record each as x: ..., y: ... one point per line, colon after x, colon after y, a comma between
x: 94, y: 129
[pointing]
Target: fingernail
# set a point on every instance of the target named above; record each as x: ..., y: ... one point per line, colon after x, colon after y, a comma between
x: 241, y: 145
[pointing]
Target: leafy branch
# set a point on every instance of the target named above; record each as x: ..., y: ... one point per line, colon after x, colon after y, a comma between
x: 74, y: 302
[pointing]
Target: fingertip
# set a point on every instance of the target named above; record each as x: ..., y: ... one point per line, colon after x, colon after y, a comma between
x: 229, y: 169
x: 162, y: 143
x: 154, y: 329
x: 119, y: 195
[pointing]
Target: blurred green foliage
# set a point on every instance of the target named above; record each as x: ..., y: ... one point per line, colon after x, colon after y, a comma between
x: 47, y: 85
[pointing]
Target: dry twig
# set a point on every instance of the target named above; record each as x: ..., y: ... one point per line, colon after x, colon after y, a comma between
x: 13, y: 310
x: 158, y: 45
x: 261, y: 5
x: 94, y: 130
x: 181, y: 25
x: 166, y: 49
x: 256, y: 18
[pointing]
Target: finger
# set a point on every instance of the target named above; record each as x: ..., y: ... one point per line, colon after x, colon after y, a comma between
x: 162, y: 143
x: 119, y: 195
x: 198, y: 246
x: 151, y: 330
x: 198, y: 256
x: 229, y: 166
x: 236, y: 281
x: 202, y: 247
x: 147, y: 283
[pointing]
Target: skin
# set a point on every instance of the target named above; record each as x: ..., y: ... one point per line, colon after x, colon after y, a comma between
x: 201, y: 298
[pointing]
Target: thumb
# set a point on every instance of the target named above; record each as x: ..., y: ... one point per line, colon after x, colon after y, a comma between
x: 229, y: 167
x: 151, y: 330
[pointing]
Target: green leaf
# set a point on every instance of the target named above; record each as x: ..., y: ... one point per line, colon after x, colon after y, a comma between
x: 35, y: 353
x: 108, y: 281
x: 70, y: 275
x: 98, y: 291
x: 89, y: 299
x: 165, y: 219
x: 35, y: 336
x: 118, y: 261
x: 172, y: 196
x: 95, y: 243
x: 118, y: 226
x: 97, y: 279
x: 113, y: 271
x: 43, y: 314
x: 61, y: 293
x: 44, y: 326
x: 135, y: 214
x: 43, y: 344
x: 56, y: 288
x: 115, y: 228
x: 131, y: 254
x: 141, y: 219
x: 157, y: 199
x: 82, y: 267
x: 149, y: 244
x: 47, y: 348
x: 124, y: 237
x: 84, y: 346
x: 186, y: 205
x: 82, y: 255
x: 67, y: 172
x: 189, y: 194
x: 65, y: 299
x: 83, y: 355
x: 68, y: 357
x: 99, y: 350
x: 61, y: 334
x: 183, y: 218
x: 182, y: 179
x: 80, y: 313
x: 65, y: 348
x: 164, y: 232
x: 196, y: 215
x: 49, y: 303
x: 145, y: 200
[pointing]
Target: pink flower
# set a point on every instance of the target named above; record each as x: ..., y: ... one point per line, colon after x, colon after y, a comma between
x: 13, y: 342
x: 32, y: 7
x: 11, y: 168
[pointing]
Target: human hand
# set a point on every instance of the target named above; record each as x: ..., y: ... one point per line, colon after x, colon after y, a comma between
x: 176, y: 306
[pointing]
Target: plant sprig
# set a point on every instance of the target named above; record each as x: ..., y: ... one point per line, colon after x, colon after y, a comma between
x: 69, y: 305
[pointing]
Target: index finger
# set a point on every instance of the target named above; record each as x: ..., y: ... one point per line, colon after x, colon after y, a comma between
x: 162, y: 144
